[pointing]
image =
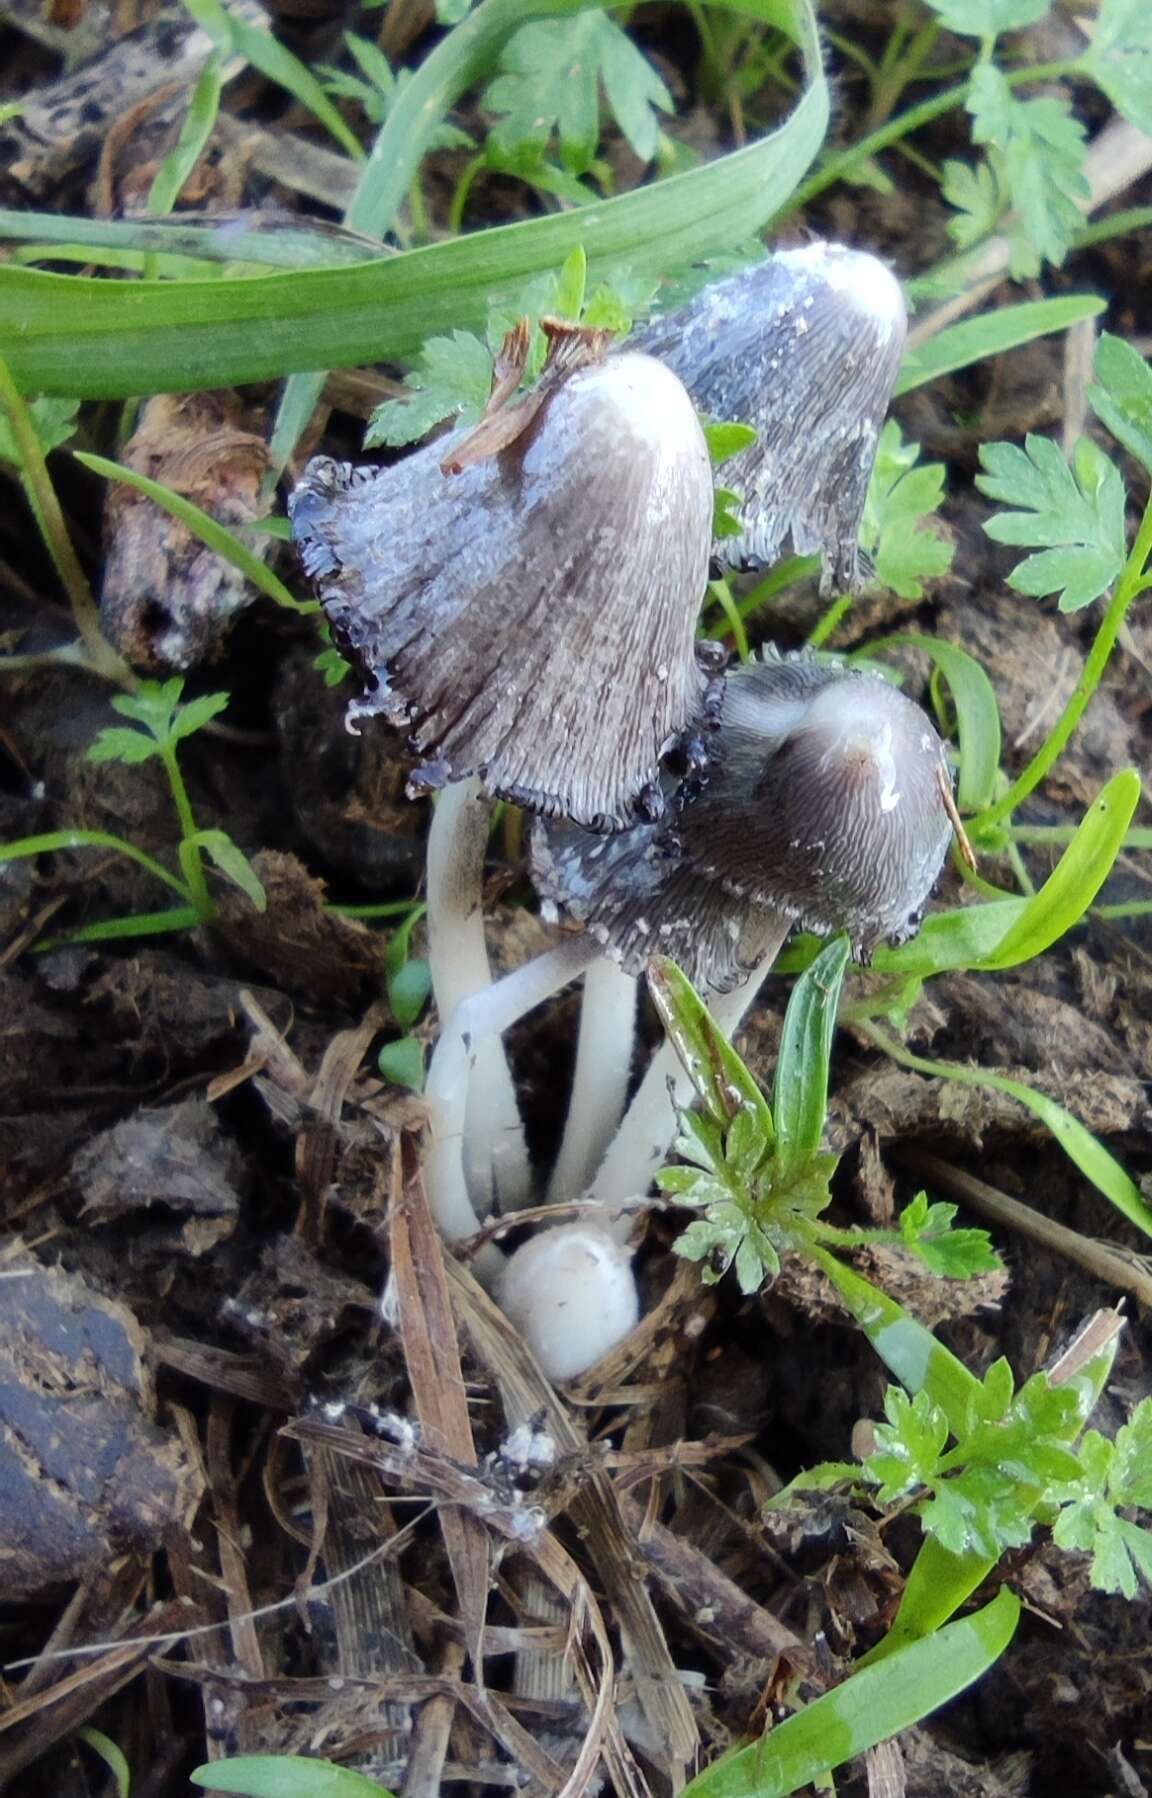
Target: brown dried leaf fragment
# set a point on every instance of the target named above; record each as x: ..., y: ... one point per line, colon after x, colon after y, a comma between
x: 168, y: 601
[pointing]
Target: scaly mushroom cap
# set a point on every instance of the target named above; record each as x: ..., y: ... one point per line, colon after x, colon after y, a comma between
x: 805, y: 347
x: 637, y: 899
x: 532, y: 617
x: 824, y: 802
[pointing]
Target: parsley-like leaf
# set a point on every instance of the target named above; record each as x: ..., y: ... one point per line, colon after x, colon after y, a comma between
x: 549, y: 83
x: 1111, y: 1476
x: 54, y: 422
x: 1038, y: 156
x: 1074, y: 514
x: 452, y: 379
x: 1120, y: 58
x: 976, y: 193
x: 908, y: 1447
x: 954, y: 1254
x: 1122, y: 395
x: 988, y: 18
x: 901, y: 496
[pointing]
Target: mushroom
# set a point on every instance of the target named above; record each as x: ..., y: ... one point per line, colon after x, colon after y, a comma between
x: 528, y: 613
x: 805, y: 347
x: 439, y: 576
x: 523, y: 598
x: 827, y: 803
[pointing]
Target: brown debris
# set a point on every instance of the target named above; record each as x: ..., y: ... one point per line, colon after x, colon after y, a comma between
x: 504, y: 420
x: 168, y: 601
x: 84, y: 1471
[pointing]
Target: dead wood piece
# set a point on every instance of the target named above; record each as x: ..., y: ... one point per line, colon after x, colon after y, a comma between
x: 712, y: 1603
x: 61, y: 123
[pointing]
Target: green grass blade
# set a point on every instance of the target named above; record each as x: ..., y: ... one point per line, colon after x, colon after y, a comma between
x: 977, y: 714
x: 1076, y: 878
x: 53, y: 841
x: 217, y: 536
x: 800, y: 1095
x: 110, y: 930
x: 222, y: 237
x: 286, y: 1776
x: 937, y: 1585
x: 199, y: 123
x: 906, y: 1348
x: 88, y: 338
x: 872, y: 1705
x: 711, y: 1063
x: 959, y: 346
x: 275, y: 61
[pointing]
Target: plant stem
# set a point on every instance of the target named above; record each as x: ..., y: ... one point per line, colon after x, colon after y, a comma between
x: 845, y: 162
x: 53, y: 841
x: 191, y: 859
x: 45, y: 506
x: 1130, y: 585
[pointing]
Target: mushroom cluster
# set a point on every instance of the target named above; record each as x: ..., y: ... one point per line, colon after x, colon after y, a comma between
x: 522, y: 599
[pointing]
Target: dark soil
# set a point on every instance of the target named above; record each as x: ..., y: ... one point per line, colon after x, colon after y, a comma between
x: 204, y: 1181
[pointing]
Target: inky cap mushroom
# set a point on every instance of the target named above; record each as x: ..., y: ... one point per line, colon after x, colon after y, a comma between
x: 827, y: 801
x: 531, y: 617
x: 804, y: 346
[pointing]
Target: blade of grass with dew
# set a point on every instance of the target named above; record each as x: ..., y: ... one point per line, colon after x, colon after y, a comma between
x: 89, y: 338
x: 959, y: 346
x: 800, y: 1094
x: 872, y: 1705
x: 202, y: 525
x: 977, y: 714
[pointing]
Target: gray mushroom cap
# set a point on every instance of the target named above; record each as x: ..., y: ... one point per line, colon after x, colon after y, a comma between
x: 824, y: 802
x: 532, y: 617
x: 827, y: 800
x: 804, y: 346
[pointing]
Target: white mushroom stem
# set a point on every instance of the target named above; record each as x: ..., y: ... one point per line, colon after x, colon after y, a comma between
x: 648, y: 1131
x: 600, y: 1082
x: 496, y: 1164
x: 475, y: 1020
x: 570, y: 1290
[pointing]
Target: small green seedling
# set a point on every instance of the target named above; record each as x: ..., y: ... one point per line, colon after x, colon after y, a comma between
x: 158, y: 725
x: 756, y: 1175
